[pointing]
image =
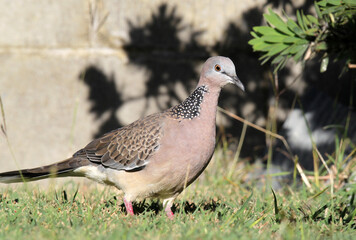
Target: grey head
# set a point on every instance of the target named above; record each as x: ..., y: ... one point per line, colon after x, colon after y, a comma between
x: 220, y: 71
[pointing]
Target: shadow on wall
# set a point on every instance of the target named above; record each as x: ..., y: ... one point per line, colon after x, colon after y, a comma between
x: 156, y: 47
x: 104, y: 97
x: 284, y: 4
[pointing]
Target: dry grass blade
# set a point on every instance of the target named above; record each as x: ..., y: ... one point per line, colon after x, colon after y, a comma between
x: 331, y: 173
x: 238, y: 151
x: 348, y: 156
x: 4, y: 130
x: 3, y: 124
x: 284, y: 141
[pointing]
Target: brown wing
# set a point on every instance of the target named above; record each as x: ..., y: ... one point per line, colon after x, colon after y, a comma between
x: 126, y: 148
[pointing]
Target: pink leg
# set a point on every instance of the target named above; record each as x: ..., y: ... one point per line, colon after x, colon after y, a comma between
x: 167, y: 203
x: 129, y: 208
x: 169, y: 213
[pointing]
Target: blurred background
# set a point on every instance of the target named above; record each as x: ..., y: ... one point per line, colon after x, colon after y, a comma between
x: 72, y: 70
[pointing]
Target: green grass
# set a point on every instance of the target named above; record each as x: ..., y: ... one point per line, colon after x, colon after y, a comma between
x: 226, y: 202
x: 214, y: 207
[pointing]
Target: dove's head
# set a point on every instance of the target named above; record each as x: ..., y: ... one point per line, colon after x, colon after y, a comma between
x: 220, y: 71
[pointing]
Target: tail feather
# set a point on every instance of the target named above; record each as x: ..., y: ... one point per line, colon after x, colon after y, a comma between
x: 61, y: 169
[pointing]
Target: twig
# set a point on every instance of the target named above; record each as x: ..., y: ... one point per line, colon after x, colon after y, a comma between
x: 284, y: 141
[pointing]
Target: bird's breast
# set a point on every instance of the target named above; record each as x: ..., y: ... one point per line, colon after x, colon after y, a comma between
x: 185, y: 151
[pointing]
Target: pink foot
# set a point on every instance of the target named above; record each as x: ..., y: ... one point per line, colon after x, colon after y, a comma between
x: 167, y: 203
x: 169, y: 213
x: 129, y: 207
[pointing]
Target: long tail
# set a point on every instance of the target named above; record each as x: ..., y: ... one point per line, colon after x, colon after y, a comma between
x: 60, y: 169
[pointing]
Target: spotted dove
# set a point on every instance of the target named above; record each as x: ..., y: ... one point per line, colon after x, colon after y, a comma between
x: 156, y: 156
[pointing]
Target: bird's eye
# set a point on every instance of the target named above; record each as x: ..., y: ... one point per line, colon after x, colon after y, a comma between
x: 217, y: 68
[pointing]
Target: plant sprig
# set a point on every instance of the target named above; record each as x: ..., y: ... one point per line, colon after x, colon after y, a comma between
x: 330, y: 32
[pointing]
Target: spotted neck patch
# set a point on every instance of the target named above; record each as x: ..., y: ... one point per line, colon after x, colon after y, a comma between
x: 190, y: 107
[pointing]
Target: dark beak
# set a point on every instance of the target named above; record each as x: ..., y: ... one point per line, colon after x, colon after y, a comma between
x: 237, y: 82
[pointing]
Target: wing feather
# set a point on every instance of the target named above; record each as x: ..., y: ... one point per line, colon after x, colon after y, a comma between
x: 127, y: 148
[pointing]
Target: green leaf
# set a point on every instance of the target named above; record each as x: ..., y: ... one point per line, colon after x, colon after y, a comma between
x: 265, y: 30
x: 305, y: 21
x: 351, y: 3
x: 286, y: 51
x: 311, y: 32
x: 313, y: 19
x: 294, y: 27
x: 276, y: 21
x: 300, y: 20
x: 317, y: 10
x: 291, y: 39
x: 321, y: 46
x: 334, y: 2
x: 259, y: 46
x: 295, y: 48
x: 265, y: 57
x: 278, y: 59
x: 284, y: 62
x: 276, y: 48
x: 324, y: 64
x: 253, y: 34
x: 332, y: 9
x: 298, y: 56
x: 322, y: 3
x: 301, y: 41
x: 280, y: 65
x: 255, y: 41
x: 273, y: 38
x: 300, y: 53
x: 267, y: 47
